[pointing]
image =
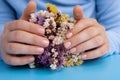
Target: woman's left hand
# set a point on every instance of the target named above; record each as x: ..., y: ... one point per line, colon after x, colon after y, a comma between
x: 87, y: 36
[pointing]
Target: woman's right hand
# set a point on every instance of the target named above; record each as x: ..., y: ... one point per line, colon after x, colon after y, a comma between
x: 21, y: 37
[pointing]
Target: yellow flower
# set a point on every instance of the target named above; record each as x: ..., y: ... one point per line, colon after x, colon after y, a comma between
x: 62, y: 18
x: 59, y: 19
x: 68, y: 62
x: 79, y: 62
x: 52, y: 8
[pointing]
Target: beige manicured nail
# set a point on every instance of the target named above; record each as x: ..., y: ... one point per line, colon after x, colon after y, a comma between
x: 40, y: 50
x: 45, y: 42
x: 41, y: 30
x: 69, y: 35
x: 67, y: 44
x: 31, y: 59
x: 84, y: 56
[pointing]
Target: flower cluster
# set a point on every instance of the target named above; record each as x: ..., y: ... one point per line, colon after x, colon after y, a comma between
x: 56, y: 26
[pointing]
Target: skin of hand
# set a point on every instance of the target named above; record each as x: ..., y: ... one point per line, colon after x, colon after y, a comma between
x: 21, y: 37
x: 87, y: 36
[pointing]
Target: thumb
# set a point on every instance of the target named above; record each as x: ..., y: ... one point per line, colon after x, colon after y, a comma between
x: 78, y: 13
x: 31, y: 7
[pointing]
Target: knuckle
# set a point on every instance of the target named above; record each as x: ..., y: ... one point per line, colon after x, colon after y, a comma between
x: 91, y: 21
x: 92, y: 31
x: 11, y: 61
x: 102, y: 28
x: 16, y: 35
x: 6, y: 61
x: 10, y: 48
x: 7, y: 24
x: 4, y: 58
x: 10, y: 25
x: 3, y: 38
x: 98, y: 41
x: 82, y: 48
x: 19, y: 23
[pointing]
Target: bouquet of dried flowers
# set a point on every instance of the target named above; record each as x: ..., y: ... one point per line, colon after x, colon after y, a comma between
x: 56, y: 26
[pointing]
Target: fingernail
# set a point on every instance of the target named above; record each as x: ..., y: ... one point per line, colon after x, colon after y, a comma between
x: 40, y: 50
x: 84, y: 56
x: 41, y: 30
x: 31, y: 59
x: 67, y: 44
x: 69, y: 35
x: 46, y: 42
x: 73, y: 50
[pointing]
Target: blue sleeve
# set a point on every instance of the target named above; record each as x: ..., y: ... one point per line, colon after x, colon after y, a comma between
x: 6, y: 14
x: 108, y: 15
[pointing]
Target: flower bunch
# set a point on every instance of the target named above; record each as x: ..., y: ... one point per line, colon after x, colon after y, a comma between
x: 56, y: 26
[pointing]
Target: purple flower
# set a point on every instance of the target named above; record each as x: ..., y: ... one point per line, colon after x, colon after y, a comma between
x: 41, y: 20
x: 54, y: 55
x: 46, y: 58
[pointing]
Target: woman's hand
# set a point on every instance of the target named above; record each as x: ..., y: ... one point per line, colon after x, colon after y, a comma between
x: 21, y: 37
x: 87, y: 36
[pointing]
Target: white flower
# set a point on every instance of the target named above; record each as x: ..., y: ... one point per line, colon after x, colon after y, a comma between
x: 51, y: 37
x: 32, y: 16
x: 58, y: 40
x: 67, y: 25
x: 41, y: 13
x: 75, y: 58
x: 53, y: 66
x: 49, y: 14
x: 48, y: 31
x: 53, y: 50
x: 46, y: 23
x: 55, y: 61
x: 70, y: 25
x: 55, y: 54
x: 53, y: 22
x: 32, y: 65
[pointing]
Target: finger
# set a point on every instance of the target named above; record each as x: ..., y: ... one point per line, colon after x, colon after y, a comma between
x: 27, y: 38
x: 31, y: 7
x: 17, y: 48
x: 81, y: 37
x: 14, y: 60
x: 78, y: 12
x: 81, y: 25
x: 88, y: 45
x: 101, y: 51
x: 26, y: 26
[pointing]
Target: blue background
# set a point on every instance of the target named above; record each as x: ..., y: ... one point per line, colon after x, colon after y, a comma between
x: 106, y: 68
